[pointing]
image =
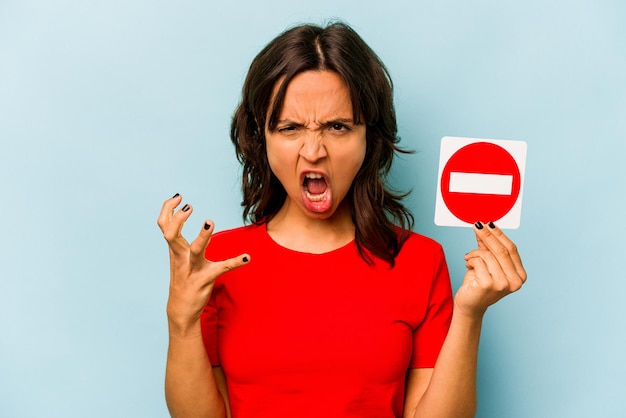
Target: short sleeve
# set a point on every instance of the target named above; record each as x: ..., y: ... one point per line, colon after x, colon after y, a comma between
x: 221, y: 249
x: 208, y: 322
x: 431, y: 333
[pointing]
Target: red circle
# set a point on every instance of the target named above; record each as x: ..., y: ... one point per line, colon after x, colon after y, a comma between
x: 483, y: 158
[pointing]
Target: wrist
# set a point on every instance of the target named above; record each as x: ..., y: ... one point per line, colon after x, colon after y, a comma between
x: 184, y: 330
x: 468, y: 316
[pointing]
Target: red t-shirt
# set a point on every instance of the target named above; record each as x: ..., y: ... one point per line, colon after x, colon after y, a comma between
x: 323, y: 335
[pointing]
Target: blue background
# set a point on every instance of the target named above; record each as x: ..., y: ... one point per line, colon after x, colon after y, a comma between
x: 107, y: 108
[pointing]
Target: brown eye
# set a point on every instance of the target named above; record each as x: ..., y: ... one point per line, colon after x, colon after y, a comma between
x: 339, y: 127
x: 286, y: 129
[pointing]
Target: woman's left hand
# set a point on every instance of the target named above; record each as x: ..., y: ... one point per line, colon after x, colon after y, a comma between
x: 494, y: 270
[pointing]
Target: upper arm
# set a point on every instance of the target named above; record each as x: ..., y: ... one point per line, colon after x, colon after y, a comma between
x: 220, y: 380
x: 417, y: 381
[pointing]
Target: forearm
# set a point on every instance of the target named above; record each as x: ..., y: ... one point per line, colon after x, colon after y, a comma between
x: 451, y: 392
x: 190, y: 386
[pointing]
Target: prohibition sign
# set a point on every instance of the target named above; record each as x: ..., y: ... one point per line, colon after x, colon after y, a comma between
x: 481, y: 181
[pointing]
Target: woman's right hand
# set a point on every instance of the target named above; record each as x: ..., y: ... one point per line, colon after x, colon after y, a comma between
x: 191, y: 275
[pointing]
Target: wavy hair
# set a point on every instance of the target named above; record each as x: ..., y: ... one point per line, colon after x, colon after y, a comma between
x: 374, y: 207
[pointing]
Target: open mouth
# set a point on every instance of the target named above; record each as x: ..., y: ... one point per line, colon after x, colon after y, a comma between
x: 315, y: 186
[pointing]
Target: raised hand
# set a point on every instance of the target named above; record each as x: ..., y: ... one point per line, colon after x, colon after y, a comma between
x: 191, y: 275
x: 494, y: 270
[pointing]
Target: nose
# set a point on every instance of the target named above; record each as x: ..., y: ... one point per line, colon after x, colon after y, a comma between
x: 313, y: 148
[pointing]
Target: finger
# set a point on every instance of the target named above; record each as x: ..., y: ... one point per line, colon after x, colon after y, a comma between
x: 173, y: 230
x: 488, y: 260
x: 482, y: 276
x: 167, y: 210
x: 481, y: 244
x: 511, y: 248
x: 230, y: 264
x: 488, y: 270
x: 199, y: 245
x: 490, y: 289
x: 500, y: 253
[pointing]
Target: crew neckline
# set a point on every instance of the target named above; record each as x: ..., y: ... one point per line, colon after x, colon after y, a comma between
x: 351, y: 245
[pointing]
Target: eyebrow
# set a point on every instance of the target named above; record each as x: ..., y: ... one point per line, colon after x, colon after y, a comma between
x: 347, y: 121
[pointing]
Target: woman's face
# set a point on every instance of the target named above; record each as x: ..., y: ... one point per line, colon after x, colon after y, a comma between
x: 316, y: 149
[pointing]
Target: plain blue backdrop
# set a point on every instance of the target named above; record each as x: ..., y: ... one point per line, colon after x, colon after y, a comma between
x: 107, y: 108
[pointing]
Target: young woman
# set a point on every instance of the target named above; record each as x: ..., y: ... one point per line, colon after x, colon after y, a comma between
x: 326, y: 304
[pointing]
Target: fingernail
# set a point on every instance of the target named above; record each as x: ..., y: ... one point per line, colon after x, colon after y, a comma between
x: 207, y: 226
x: 245, y: 259
x: 478, y: 225
x: 176, y: 195
x: 185, y: 208
x: 491, y: 225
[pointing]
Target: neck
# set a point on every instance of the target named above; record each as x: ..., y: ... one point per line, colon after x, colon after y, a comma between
x: 295, y: 230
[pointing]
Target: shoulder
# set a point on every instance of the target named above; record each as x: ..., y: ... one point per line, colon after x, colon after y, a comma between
x: 231, y: 242
x: 424, y: 258
x: 420, y: 252
x: 420, y: 243
x: 237, y: 233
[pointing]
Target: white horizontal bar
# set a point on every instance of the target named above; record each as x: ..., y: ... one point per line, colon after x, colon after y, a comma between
x: 481, y: 183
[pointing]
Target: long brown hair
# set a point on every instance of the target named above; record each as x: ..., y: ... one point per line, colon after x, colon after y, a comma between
x: 337, y: 47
